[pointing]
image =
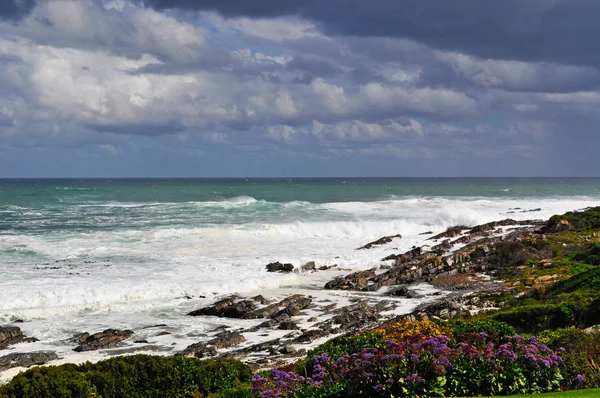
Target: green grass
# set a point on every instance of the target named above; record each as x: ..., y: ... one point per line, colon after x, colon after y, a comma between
x: 577, y: 393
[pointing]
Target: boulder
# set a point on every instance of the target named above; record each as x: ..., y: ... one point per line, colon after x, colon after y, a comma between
x: 10, y: 335
x: 279, y: 267
x: 380, y: 241
x: 354, y: 281
x: 309, y: 266
x: 26, y: 359
x: 227, y: 339
x: 228, y: 308
x: 110, y: 338
x: 198, y: 350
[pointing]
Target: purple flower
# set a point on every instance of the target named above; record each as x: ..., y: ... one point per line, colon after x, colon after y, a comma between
x: 414, y: 358
x: 414, y: 378
x: 378, y: 387
x: 579, y: 379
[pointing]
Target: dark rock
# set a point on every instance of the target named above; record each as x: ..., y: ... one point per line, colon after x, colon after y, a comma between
x: 279, y: 267
x: 311, y: 335
x: 143, y: 341
x: 10, y: 335
x: 261, y: 299
x: 354, y: 281
x: 227, y: 339
x: 288, y: 326
x: 26, y: 359
x: 163, y: 333
x: 287, y: 349
x: 380, y: 241
x: 309, y: 266
x: 405, y: 257
x: 109, y: 338
x: 450, y: 232
x: 199, y: 350
x: 400, y: 291
x: 554, y: 226
x: 228, y: 308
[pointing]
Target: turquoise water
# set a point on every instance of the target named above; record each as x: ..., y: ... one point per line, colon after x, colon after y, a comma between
x: 89, y: 254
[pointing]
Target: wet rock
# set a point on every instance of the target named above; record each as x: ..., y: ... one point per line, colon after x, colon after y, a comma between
x: 228, y: 308
x: 10, y: 335
x: 26, y: 359
x: 109, y: 338
x: 163, y: 333
x: 198, y: 350
x: 227, y: 339
x: 261, y: 299
x: 403, y: 291
x: 380, y: 241
x: 287, y: 349
x: 312, y: 319
x: 410, y: 255
x: 450, y: 232
x: 309, y: 266
x: 279, y: 267
x: 354, y: 281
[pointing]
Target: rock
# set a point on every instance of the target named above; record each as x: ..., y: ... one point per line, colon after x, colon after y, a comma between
x: 312, y: 319
x: 279, y: 267
x: 554, y: 225
x: 287, y: 349
x: 261, y: 299
x: 228, y: 308
x: 26, y: 359
x: 311, y: 335
x: 198, y: 350
x: 10, y: 335
x: 354, y: 281
x: 405, y: 257
x: 288, y: 326
x: 227, y: 339
x: 380, y: 241
x: 109, y: 338
x: 401, y: 290
x: 309, y: 266
x: 450, y: 232
x: 163, y: 333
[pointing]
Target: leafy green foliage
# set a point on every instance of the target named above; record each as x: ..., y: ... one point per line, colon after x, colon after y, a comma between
x: 64, y: 381
x: 580, y: 220
x: 131, y: 376
x: 491, y: 326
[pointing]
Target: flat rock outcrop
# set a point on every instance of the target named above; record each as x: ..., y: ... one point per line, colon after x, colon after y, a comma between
x: 109, y: 338
x: 380, y: 241
x: 26, y: 359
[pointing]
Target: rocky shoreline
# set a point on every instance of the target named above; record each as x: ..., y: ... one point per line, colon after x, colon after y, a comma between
x: 441, y: 275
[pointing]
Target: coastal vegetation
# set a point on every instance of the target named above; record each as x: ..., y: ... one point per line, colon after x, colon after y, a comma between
x: 537, y: 335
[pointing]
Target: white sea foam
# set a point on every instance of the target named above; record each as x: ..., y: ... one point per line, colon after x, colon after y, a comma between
x: 141, y: 273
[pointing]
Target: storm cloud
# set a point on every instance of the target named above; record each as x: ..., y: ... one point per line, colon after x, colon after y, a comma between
x: 377, y: 88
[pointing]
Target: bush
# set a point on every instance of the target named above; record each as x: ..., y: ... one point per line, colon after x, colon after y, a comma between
x: 65, y: 381
x: 580, y: 220
x: 538, y: 316
x: 401, y: 330
x: 131, y: 376
x: 490, y: 326
x: 582, y: 355
x: 420, y: 366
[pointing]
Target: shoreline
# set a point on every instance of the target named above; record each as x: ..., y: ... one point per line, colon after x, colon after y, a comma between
x: 270, y: 344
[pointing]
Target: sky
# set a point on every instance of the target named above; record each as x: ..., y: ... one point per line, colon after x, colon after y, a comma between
x: 239, y: 88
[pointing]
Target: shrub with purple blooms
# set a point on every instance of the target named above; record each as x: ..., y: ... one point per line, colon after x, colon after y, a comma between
x: 473, y: 364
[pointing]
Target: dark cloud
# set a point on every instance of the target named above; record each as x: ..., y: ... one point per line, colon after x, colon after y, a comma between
x: 15, y: 9
x: 563, y: 31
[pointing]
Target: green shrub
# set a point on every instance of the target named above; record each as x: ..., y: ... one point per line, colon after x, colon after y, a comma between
x: 131, y: 376
x: 532, y: 318
x: 65, y: 381
x: 489, y: 326
x: 580, y: 220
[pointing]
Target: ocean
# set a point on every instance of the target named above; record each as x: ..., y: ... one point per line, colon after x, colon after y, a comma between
x: 86, y: 255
